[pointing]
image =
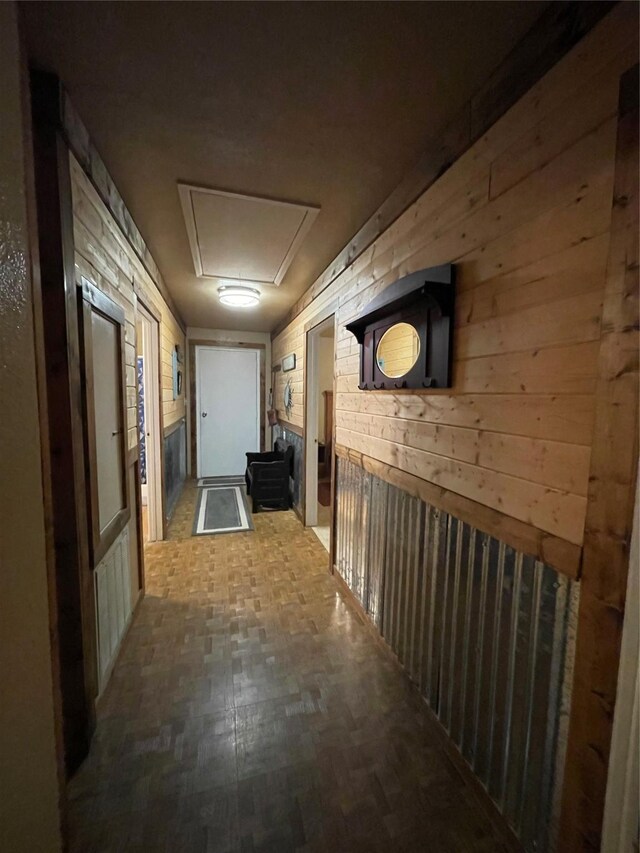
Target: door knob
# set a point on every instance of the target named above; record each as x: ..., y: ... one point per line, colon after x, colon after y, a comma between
x: 204, y: 414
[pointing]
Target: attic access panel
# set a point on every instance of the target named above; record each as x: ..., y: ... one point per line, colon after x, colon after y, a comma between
x: 242, y: 238
x: 406, y: 333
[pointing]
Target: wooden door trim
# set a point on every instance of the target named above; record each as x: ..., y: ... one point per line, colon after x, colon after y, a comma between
x: 563, y: 556
x: 156, y: 317
x: 610, y: 504
x: 329, y: 310
x: 291, y: 427
x: 74, y: 618
x: 169, y: 430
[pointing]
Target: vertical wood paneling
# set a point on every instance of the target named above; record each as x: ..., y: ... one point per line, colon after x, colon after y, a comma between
x: 482, y: 629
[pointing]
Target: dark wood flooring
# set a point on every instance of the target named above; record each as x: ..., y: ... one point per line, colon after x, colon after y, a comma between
x: 252, y: 710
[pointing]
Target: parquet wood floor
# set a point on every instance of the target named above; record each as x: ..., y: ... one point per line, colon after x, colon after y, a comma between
x: 252, y: 710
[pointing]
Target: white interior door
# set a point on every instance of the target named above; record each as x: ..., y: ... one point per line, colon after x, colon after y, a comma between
x: 227, y: 408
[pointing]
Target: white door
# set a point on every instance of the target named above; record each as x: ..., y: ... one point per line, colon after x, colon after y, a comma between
x: 227, y: 409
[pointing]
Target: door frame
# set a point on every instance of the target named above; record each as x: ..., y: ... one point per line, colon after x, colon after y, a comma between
x: 151, y: 348
x: 193, y: 343
x: 620, y: 811
x: 194, y: 348
x: 57, y: 323
x: 311, y: 418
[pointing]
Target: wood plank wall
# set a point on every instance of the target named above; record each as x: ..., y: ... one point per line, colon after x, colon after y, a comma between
x: 526, y: 216
x: 105, y: 257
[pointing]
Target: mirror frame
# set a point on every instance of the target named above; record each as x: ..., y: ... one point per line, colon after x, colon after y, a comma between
x: 426, y: 301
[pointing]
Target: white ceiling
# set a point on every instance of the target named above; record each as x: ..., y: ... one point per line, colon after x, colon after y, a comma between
x: 242, y: 238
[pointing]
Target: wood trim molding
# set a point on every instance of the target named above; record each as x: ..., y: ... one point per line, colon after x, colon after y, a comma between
x: 74, y: 621
x: 563, y: 556
x: 291, y: 427
x: 149, y: 307
x: 610, y: 504
x: 323, y: 314
x: 560, y: 27
x: 132, y: 455
x: 101, y: 302
x: 169, y: 430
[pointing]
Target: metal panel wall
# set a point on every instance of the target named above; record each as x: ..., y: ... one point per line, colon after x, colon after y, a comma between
x: 486, y: 633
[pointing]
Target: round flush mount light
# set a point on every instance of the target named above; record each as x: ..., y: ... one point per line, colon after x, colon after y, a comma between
x: 238, y: 296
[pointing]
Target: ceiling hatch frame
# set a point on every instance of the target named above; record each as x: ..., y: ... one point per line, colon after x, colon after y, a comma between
x: 292, y: 240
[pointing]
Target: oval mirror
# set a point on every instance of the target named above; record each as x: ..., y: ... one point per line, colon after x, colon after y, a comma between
x: 398, y: 350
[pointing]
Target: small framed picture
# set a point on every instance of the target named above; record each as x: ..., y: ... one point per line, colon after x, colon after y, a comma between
x: 288, y: 362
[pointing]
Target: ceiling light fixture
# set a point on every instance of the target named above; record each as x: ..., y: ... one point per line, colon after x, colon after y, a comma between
x: 238, y: 297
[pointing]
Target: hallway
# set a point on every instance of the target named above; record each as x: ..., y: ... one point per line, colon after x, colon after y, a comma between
x: 252, y: 710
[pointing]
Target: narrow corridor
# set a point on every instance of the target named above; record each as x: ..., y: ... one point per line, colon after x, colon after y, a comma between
x: 252, y: 710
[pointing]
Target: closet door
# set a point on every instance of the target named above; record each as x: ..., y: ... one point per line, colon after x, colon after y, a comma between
x: 105, y: 418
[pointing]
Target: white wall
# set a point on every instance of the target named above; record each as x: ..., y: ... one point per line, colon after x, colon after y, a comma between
x: 29, y: 818
x: 196, y: 334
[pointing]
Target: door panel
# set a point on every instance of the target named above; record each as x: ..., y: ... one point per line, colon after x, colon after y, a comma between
x: 228, y: 411
x: 107, y: 374
x: 103, y: 373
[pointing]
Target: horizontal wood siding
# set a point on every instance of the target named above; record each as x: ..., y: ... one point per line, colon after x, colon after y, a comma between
x: 526, y: 215
x: 106, y: 258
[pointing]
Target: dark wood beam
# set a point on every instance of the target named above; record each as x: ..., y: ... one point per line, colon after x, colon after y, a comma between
x: 75, y: 622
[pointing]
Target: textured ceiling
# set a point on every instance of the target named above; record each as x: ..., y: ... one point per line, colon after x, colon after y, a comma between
x: 323, y: 103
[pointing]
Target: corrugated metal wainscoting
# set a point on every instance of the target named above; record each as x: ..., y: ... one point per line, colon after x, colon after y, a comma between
x: 487, y: 634
x: 112, y: 579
